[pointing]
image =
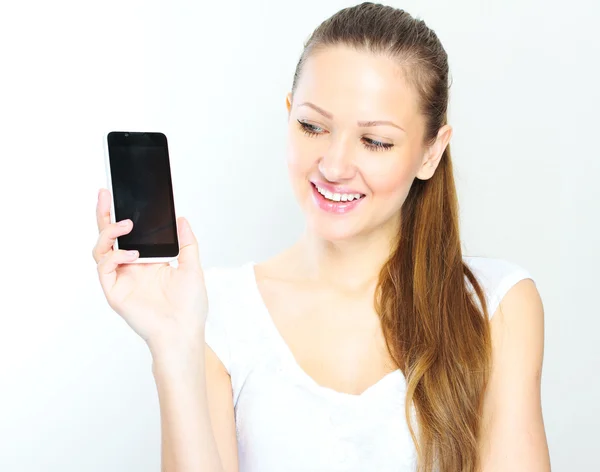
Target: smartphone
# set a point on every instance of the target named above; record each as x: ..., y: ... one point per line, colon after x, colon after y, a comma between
x: 138, y: 174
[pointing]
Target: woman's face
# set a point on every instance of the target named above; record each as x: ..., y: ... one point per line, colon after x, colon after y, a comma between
x: 355, y: 143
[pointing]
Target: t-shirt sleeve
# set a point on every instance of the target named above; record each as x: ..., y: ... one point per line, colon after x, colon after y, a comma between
x: 496, y: 277
x: 215, y: 331
x: 513, y: 274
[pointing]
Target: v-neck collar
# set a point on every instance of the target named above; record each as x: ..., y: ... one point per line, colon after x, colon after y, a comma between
x: 393, y: 382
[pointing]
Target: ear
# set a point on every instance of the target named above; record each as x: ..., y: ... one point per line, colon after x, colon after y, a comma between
x: 288, y: 102
x: 434, y: 153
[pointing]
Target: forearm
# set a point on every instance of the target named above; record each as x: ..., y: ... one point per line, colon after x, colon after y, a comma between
x: 188, y: 444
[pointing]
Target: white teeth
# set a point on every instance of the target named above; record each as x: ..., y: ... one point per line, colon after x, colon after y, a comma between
x: 337, y: 197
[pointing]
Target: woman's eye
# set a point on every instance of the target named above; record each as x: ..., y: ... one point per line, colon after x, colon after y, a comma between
x: 371, y: 144
x: 310, y: 130
x: 374, y: 145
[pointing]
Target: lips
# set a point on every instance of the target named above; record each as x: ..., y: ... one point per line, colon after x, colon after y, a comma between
x: 335, y: 188
x: 335, y: 207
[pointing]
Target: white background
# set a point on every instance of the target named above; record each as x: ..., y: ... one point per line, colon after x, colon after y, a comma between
x: 76, y: 390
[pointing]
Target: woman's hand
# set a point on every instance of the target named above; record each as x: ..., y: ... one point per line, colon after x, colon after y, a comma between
x: 166, y: 306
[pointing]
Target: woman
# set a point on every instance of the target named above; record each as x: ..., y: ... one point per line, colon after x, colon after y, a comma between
x: 372, y: 344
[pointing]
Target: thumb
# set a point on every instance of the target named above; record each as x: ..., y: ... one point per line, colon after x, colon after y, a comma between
x: 188, y: 246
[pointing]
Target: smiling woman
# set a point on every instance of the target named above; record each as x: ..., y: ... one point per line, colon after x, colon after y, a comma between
x: 378, y: 283
x: 367, y: 345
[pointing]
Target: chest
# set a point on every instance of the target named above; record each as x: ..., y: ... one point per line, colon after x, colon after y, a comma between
x: 336, y: 340
x: 294, y: 426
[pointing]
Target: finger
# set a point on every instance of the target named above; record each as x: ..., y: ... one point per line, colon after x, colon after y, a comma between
x: 103, y: 209
x: 107, y: 237
x: 107, y: 267
x: 189, y: 257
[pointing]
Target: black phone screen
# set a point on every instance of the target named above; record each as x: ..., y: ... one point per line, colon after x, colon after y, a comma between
x: 143, y: 192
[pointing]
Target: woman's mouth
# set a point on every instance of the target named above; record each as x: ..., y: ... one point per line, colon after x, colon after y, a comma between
x: 331, y: 202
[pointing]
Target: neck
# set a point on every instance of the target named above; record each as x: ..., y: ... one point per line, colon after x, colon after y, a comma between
x: 350, y: 264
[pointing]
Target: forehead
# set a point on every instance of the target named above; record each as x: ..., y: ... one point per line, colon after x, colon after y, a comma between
x: 357, y: 85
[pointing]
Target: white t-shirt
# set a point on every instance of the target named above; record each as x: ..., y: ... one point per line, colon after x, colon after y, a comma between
x: 285, y: 421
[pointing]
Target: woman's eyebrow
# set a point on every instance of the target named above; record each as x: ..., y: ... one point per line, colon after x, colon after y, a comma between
x: 326, y: 114
x: 363, y: 124
x: 378, y: 122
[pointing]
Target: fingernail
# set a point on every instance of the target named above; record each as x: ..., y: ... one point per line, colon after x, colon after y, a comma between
x: 132, y: 253
x: 124, y: 223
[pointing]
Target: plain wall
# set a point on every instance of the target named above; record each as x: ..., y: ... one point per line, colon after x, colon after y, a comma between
x: 76, y: 388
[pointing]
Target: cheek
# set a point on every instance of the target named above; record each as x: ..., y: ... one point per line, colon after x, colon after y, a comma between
x: 294, y: 157
x: 301, y: 154
x: 298, y: 166
x: 392, y: 180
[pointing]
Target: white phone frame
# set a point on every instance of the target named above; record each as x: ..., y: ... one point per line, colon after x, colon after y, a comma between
x: 139, y: 260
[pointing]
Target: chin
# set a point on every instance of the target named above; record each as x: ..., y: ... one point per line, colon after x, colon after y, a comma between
x: 333, y: 228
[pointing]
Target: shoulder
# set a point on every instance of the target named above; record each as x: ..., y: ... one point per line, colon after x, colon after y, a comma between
x: 225, y: 284
x: 227, y: 290
x: 517, y: 325
x: 513, y: 430
x: 498, y: 277
x: 222, y: 276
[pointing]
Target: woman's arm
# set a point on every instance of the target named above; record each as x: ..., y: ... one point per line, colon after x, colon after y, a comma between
x: 513, y: 436
x: 196, y: 410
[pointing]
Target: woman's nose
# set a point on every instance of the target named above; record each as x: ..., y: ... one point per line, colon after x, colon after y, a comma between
x: 338, y: 163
